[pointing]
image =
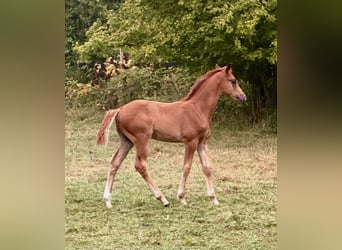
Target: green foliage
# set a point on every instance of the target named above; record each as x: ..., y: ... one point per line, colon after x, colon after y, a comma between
x: 190, y: 32
x: 165, y: 85
x: 196, y: 34
x: 80, y: 15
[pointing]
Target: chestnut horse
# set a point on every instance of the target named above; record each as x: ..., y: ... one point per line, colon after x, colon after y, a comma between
x: 187, y: 120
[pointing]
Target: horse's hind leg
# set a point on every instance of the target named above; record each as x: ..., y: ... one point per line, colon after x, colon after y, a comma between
x: 120, y: 155
x: 141, y: 167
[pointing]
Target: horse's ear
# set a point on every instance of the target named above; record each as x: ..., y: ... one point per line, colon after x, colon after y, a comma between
x: 217, y: 66
x: 229, y: 67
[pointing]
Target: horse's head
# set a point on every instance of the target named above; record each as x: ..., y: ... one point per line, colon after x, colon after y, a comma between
x: 230, y: 86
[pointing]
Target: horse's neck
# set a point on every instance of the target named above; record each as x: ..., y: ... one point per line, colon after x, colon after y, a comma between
x: 206, y: 98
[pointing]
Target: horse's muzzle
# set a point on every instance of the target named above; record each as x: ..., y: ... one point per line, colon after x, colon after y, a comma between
x: 241, y: 99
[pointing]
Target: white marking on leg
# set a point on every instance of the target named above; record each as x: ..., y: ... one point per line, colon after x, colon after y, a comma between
x: 115, y: 163
x: 106, y: 193
x: 107, y: 196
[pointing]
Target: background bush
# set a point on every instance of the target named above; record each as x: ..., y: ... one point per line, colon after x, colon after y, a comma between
x: 195, y: 35
x: 164, y: 85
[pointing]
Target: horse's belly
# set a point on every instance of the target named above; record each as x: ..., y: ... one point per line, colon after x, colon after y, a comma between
x: 167, y: 136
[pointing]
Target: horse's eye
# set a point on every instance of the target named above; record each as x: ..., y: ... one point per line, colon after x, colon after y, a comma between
x: 233, y: 81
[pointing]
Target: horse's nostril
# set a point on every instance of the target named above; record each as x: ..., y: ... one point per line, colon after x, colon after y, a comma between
x: 242, y: 97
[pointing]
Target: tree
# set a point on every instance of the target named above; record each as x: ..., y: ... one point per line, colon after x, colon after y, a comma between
x: 197, y: 34
x: 80, y: 15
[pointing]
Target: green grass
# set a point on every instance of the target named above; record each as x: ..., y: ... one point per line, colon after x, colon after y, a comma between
x: 244, y: 175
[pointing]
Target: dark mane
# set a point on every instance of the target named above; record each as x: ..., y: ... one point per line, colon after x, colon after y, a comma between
x: 199, y: 82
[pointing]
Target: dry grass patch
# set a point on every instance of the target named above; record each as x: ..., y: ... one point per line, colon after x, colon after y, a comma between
x: 244, y: 174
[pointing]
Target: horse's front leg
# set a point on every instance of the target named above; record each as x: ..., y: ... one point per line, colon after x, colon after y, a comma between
x: 190, y: 148
x: 206, y: 168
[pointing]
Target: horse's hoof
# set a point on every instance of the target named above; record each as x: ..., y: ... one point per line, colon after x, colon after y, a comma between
x: 183, y: 202
x: 108, y: 204
x: 167, y: 204
x: 215, y: 202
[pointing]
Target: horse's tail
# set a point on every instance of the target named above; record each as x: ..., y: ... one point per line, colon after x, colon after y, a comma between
x: 103, y: 134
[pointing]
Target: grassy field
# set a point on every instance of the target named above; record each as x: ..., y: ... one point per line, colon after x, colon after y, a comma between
x: 244, y: 174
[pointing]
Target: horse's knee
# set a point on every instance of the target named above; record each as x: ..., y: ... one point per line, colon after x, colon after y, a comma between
x: 207, y: 170
x: 186, y: 170
x: 113, y: 169
x: 141, y: 169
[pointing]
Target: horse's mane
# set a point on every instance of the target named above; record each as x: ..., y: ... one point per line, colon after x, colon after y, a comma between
x: 199, y: 82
